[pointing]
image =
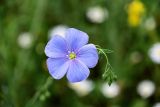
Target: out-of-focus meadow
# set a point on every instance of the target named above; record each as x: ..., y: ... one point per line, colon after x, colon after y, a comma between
x: 131, y: 28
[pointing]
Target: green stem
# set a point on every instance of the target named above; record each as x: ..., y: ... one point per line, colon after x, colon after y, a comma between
x: 101, y: 50
x: 45, y: 86
x: 108, y: 73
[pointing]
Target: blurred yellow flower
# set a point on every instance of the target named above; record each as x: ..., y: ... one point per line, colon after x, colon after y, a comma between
x: 136, y: 6
x: 135, y: 12
x: 134, y: 20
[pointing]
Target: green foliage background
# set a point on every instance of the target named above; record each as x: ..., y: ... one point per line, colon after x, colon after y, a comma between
x: 23, y: 71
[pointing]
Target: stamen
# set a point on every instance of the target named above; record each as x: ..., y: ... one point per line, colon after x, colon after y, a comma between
x: 72, y: 55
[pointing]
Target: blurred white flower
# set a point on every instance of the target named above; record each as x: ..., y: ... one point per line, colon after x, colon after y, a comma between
x: 154, y: 53
x: 82, y: 88
x: 25, y: 40
x: 156, y: 104
x: 110, y: 91
x: 58, y: 30
x: 150, y: 24
x: 97, y: 14
x: 146, y: 88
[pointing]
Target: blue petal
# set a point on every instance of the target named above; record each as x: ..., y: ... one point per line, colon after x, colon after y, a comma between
x: 56, y: 47
x: 76, y: 38
x: 77, y: 71
x: 57, y: 67
x: 88, y: 55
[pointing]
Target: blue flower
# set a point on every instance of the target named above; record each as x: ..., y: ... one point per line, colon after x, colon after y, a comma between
x: 71, y: 56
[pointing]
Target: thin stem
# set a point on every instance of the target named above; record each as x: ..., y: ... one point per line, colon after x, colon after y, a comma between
x: 98, y: 48
x: 108, y: 73
x: 101, y: 50
x: 45, y: 86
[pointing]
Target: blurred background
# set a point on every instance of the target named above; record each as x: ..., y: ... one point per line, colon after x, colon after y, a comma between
x: 131, y: 28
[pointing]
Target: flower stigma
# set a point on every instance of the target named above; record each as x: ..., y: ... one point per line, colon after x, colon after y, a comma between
x: 72, y: 55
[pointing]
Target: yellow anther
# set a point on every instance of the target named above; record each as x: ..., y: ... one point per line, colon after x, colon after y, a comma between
x: 72, y: 55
